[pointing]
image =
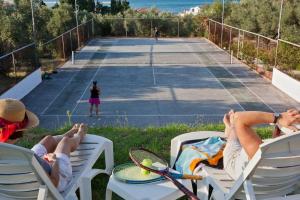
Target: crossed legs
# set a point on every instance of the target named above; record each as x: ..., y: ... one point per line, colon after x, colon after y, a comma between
x: 65, y: 143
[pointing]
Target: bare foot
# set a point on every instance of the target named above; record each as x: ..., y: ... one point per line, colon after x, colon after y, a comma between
x: 82, y: 131
x: 227, y: 119
x: 72, y: 131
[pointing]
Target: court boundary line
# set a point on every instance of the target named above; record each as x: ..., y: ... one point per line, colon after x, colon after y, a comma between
x: 129, y: 115
x: 218, y: 81
x: 239, y: 62
x: 151, y: 64
x: 91, y: 80
x: 60, y: 92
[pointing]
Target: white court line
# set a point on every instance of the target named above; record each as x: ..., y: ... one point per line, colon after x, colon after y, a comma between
x: 242, y: 81
x: 126, y: 115
x: 151, y: 64
x: 217, y: 80
x: 47, y: 107
x: 90, y: 82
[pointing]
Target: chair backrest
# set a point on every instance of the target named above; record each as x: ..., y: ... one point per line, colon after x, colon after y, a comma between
x: 21, y: 175
x: 275, y: 168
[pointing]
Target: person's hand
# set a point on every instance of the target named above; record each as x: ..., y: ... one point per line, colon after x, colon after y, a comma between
x: 289, y: 118
x: 50, y: 157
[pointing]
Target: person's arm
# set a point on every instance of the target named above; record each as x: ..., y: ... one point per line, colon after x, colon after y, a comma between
x: 54, y: 176
x: 244, y: 121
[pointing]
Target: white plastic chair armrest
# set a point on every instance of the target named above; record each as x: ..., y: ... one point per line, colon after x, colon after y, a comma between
x: 43, y: 191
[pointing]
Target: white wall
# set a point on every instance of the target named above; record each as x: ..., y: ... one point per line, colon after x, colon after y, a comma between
x: 22, y: 88
x: 286, y: 84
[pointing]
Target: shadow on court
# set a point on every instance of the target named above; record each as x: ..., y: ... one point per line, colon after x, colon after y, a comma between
x: 145, y: 83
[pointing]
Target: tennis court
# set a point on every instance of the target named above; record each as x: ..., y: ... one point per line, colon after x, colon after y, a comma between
x: 144, y: 82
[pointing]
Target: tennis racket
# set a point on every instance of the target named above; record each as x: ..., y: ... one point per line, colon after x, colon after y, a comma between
x: 158, y: 166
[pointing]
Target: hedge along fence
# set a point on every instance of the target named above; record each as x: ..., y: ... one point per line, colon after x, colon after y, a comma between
x: 144, y: 27
x: 254, y: 49
x: 56, y: 51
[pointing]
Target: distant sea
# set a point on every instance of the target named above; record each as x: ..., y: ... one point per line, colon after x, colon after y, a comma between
x: 174, y: 6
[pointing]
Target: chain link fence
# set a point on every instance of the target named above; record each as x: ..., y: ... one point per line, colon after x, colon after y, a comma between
x: 55, y: 52
x: 18, y: 64
x: 259, y: 52
x: 144, y: 27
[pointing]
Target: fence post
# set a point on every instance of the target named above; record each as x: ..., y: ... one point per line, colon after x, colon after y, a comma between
x: 151, y: 27
x: 63, y: 46
x: 14, y: 65
x: 93, y: 27
x: 238, y: 50
x: 222, y: 29
x: 78, y: 39
x: 230, y: 39
x: 71, y: 42
x: 208, y: 29
x: 125, y: 23
x: 231, y: 57
x: 178, y: 34
x: 257, y: 48
x: 276, y: 53
x: 215, y: 32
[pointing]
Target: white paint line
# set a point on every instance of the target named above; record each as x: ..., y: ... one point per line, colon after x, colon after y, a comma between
x: 240, y: 79
x: 60, y: 92
x: 151, y: 64
x: 90, y: 82
x: 217, y: 80
x: 125, y: 115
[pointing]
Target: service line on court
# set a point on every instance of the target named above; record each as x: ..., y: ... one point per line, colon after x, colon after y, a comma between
x: 251, y: 91
x: 60, y: 92
x: 150, y: 115
x: 90, y: 82
x: 217, y: 80
x: 151, y: 64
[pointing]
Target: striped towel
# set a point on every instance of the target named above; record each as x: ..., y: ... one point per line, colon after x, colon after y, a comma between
x: 210, y: 149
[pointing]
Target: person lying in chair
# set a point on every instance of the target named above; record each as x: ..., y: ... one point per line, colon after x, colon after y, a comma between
x: 52, y: 152
x: 242, y: 140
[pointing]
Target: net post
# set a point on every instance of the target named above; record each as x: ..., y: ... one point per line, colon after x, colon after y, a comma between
x: 73, y: 56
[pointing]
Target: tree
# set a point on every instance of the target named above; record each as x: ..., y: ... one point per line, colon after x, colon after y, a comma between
x: 63, y: 19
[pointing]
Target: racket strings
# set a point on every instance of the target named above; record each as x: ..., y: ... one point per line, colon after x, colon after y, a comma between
x: 140, y: 155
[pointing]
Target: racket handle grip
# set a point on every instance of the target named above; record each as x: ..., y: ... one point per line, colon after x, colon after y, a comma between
x: 181, y: 187
x: 194, y: 177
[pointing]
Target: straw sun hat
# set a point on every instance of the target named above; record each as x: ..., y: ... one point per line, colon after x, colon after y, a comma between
x: 14, y: 111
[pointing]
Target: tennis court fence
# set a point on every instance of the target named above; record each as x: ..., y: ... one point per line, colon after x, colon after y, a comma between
x: 21, y: 62
x: 258, y: 51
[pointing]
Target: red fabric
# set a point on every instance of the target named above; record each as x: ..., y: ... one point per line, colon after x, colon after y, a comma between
x: 8, y: 128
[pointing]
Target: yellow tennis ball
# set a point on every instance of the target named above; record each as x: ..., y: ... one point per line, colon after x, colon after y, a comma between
x: 147, y: 163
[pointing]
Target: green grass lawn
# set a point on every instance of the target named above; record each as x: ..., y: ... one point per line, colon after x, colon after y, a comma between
x: 157, y: 139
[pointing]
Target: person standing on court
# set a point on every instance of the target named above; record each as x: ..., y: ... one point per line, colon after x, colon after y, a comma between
x: 94, y: 98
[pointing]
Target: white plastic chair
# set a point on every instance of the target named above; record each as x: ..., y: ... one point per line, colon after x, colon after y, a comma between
x: 272, y: 173
x: 22, y: 177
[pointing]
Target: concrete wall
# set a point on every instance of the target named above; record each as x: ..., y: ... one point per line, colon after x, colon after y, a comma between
x: 286, y: 84
x: 22, y: 88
